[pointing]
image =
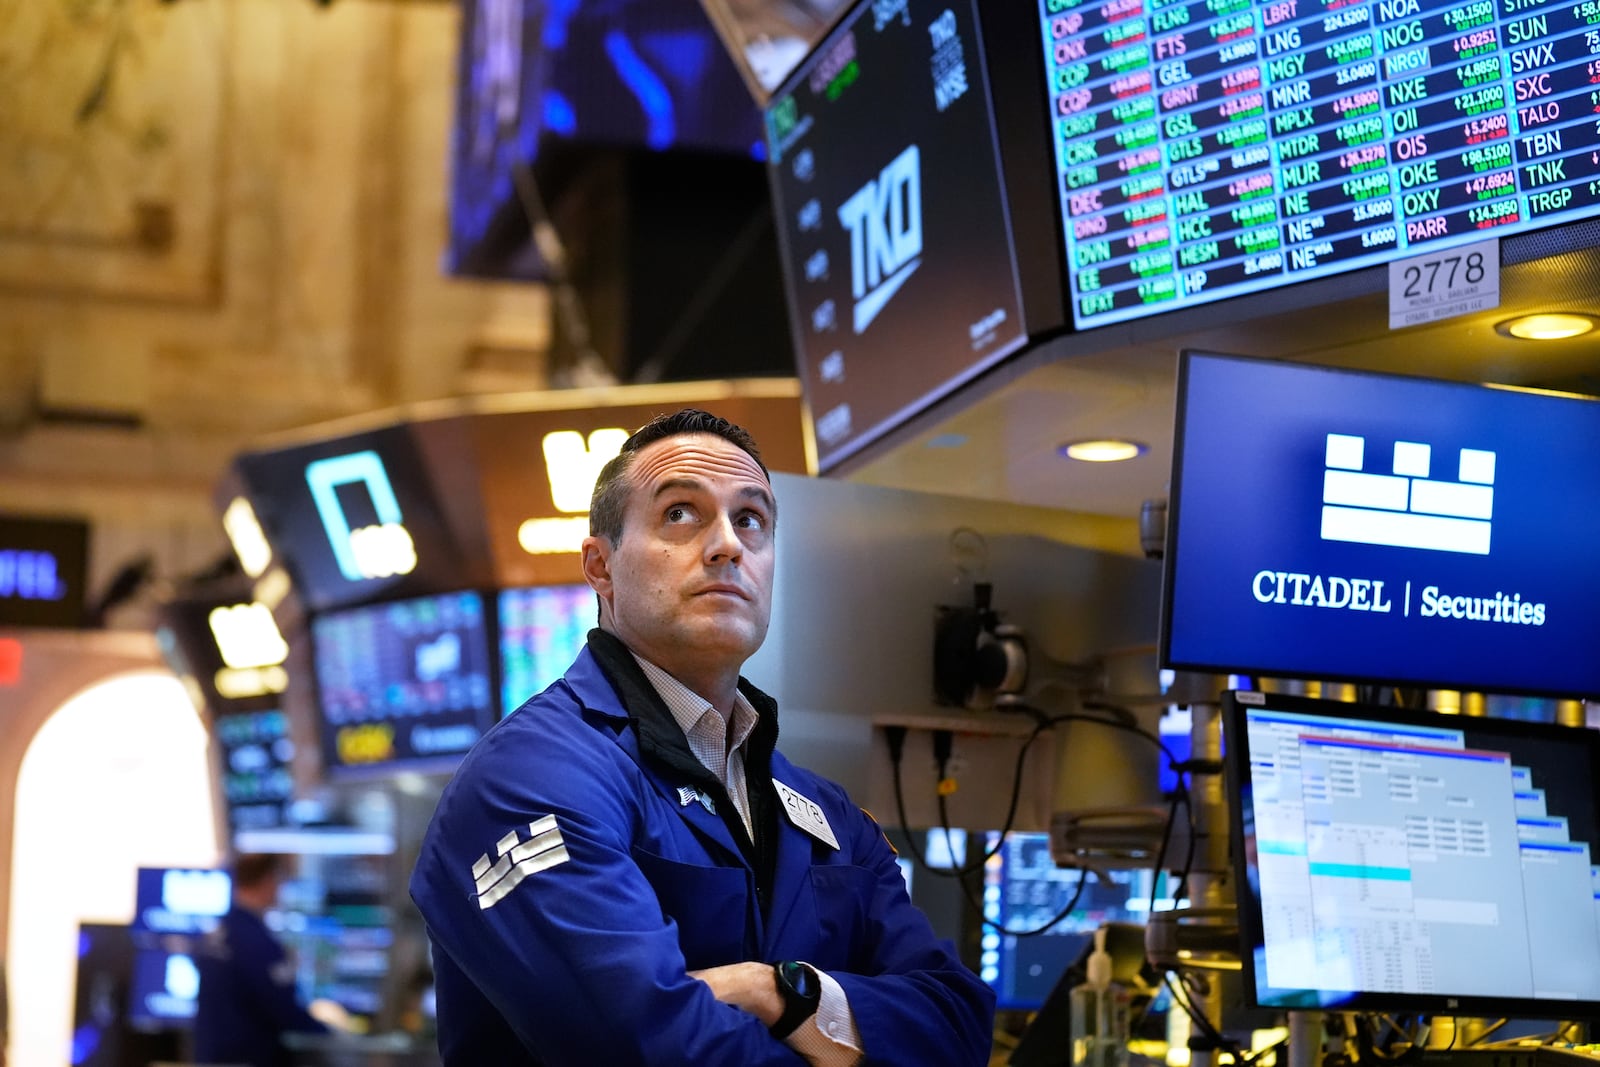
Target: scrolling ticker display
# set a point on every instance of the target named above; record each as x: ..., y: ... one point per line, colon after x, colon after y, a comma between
x: 1211, y: 148
x: 898, y: 258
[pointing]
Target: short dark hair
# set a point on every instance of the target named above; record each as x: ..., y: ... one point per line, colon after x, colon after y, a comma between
x: 610, y: 498
x: 256, y: 868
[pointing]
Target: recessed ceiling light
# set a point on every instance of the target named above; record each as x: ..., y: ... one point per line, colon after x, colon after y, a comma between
x: 1553, y: 326
x: 1103, y: 450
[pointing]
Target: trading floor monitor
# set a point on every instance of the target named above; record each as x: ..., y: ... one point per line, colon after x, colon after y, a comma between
x: 1405, y: 861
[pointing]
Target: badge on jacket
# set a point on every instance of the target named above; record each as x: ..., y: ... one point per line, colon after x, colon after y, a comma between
x: 806, y: 814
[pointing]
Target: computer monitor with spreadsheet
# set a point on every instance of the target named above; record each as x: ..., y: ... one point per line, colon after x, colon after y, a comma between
x: 1408, y: 861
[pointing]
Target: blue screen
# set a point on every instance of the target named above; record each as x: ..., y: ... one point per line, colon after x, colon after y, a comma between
x: 163, y: 989
x: 180, y: 900
x: 542, y: 631
x: 1331, y: 524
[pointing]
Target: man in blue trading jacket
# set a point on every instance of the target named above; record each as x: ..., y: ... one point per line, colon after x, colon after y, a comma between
x: 625, y: 870
x: 247, y: 997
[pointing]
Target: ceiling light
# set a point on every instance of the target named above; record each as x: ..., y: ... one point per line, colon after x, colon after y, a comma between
x: 1554, y: 326
x: 1103, y: 450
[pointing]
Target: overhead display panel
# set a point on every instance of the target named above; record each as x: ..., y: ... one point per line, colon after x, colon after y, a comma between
x: 1382, y: 529
x: 1212, y: 148
x: 896, y: 245
x: 43, y: 571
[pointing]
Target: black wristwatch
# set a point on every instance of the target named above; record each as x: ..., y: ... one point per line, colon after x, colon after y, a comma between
x: 801, y: 990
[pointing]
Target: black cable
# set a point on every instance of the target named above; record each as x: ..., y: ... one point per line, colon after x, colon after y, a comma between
x: 977, y: 905
x: 895, y: 753
x: 1125, y: 721
x: 1217, y: 1038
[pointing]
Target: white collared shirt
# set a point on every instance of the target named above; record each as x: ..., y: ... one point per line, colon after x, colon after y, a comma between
x: 830, y: 1038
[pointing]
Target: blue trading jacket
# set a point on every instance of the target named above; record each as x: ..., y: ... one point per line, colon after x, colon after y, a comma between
x: 581, y: 861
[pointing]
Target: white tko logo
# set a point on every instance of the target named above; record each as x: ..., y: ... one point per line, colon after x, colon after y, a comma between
x: 884, y: 218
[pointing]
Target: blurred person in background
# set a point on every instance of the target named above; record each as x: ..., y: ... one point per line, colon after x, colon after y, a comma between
x: 247, y: 998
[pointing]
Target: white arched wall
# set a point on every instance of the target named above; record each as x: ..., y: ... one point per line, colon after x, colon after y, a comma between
x: 115, y: 779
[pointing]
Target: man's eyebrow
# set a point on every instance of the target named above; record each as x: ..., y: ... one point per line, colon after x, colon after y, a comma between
x: 695, y: 485
x: 760, y: 494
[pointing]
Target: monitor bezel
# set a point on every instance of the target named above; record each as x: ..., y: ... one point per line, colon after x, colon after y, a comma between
x: 1236, y: 764
x: 1171, y: 546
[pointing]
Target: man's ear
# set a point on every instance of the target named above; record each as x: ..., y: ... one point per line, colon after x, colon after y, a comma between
x: 597, y: 565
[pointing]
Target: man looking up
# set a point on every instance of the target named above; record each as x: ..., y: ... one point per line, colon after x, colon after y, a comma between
x: 626, y: 871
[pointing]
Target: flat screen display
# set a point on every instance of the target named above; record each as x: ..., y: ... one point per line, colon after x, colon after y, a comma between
x: 542, y: 630
x: 403, y: 681
x: 1024, y: 890
x: 180, y: 900
x: 1213, y: 148
x: 43, y: 571
x: 1331, y: 524
x: 257, y: 757
x: 356, y: 518
x: 164, y: 989
x: 646, y: 73
x: 892, y: 221
x: 1408, y: 861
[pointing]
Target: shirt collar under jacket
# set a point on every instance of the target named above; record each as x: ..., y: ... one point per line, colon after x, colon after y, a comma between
x: 710, y: 735
x: 660, y: 737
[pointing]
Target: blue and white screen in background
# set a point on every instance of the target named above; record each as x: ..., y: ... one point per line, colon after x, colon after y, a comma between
x: 542, y: 631
x: 164, y: 989
x: 180, y: 900
x: 257, y: 754
x: 1333, y: 524
x: 1400, y: 859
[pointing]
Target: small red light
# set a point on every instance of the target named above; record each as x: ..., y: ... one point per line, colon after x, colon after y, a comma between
x: 10, y: 661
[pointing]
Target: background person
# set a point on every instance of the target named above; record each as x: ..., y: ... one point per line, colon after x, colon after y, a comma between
x: 626, y: 871
x: 247, y: 999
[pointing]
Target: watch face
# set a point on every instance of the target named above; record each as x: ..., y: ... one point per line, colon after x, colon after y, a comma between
x: 802, y: 978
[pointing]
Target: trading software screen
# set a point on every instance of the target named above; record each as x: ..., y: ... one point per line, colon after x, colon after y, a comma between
x: 1394, y: 859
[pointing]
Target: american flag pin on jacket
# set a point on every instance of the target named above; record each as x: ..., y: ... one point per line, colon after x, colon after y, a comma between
x: 686, y: 793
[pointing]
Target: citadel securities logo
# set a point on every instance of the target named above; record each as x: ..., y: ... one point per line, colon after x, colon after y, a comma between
x: 884, y: 218
x: 1407, y: 509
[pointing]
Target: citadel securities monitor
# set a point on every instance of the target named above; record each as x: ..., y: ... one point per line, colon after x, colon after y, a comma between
x: 1332, y: 524
x: 1215, y: 148
x: 893, y: 225
x: 1407, y: 861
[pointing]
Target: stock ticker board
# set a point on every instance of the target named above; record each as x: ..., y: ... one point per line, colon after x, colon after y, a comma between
x: 1212, y: 148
